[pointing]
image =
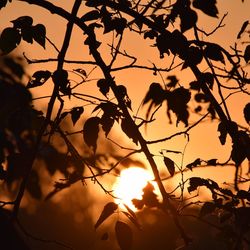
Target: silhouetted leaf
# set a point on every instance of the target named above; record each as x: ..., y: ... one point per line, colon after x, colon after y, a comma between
x: 172, y: 81
x: 243, y: 27
x: 213, y: 52
x: 119, y: 24
x: 194, y: 183
x: 81, y: 71
x: 27, y: 34
x: 170, y: 165
x: 177, y: 102
x: 39, y: 34
x: 9, y: 39
x: 195, y: 85
x: 207, y: 208
x: 155, y: 94
x: 22, y: 22
x: 103, y: 86
x: 194, y: 164
x: 212, y: 162
x: 60, y: 78
x: 129, y: 131
x: 247, y: 53
x: 242, y: 194
x: 107, y: 123
x: 164, y: 43
x: 212, y: 111
x: 194, y: 57
x: 124, y: 235
x: 223, y: 132
x: 207, y: 78
x: 108, y: 210
x: 39, y: 78
x: 76, y: 114
x: 149, y: 197
x: 90, y: 131
x: 207, y: 6
x: 188, y: 19
x: 246, y: 112
x: 179, y: 44
x: 89, y: 16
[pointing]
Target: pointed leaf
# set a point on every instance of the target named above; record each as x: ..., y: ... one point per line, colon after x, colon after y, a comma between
x: 76, y: 114
x: 22, y: 22
x: 107, y: 211
x: 170, y: 165
x: 39, y: 78
x: 213, y: 52
x: 103, y: 86
x: 124, y: 235
x: 39, y: 34
x: 129, y: 131
x: 243, y: 27
x: 90, y: 131
x: 207, y: 6
x: 92, y: 15
x: 188, y: 19
x: 223, y: 133
x: 194, y: 164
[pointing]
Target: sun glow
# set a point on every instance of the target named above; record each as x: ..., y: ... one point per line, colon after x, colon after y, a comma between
x: 130, y: 185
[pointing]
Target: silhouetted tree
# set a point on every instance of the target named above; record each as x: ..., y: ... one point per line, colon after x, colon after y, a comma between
x: 28, y: 134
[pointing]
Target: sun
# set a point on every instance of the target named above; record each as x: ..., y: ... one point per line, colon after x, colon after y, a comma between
x: 130, y: 184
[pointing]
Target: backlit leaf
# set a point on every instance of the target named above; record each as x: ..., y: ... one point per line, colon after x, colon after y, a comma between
x: 76, y: 114
x: 195, y: 163
x: 108, y: 210
x: 124, y: 235
x: 213, y: 52
x: 207, y: 6
x: 170, y: 165
x: 22, y: 22
x: 129, y: 131
x: 39, y: 78
x: 188, y: 19
x: 9, y: 39
x: 39, y: 34
x: 89, y: 16
x: 103, y: 86
x: 243, y: 27
x: 223, y: 133
x: 90, y: 131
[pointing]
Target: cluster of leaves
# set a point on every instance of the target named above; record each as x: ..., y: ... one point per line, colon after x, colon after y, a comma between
x: 22, y: 29
x: 225, y: 205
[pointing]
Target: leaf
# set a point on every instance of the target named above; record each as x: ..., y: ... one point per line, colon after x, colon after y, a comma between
x: 149, y: 198
x: 247, y: 53
x: 76, y: 114
x: 151, y: 34
x: 129, y: 131
x: 246, y: 112
x: 27, y: 34
x: 207, y: 78
x: 39, y: 34
x: 22, y: 22
x: 188, y: 19
x: 207, y: 208
x: 138, y: 203
x: 207, y: 6
x: 212, y: 162
x: 124, y: 235
x: 90, y: 16
x: 9, y: 39
x: 108, y: 210
x: 164, y: 43
x: 194, y: 57
x: 213, y: 52
x: 155, y: 94
x: 173, y: 81
x: 90, y: 131
x: 179, y: 44
x: 39, y: 78
x: 170, y: 165
x: 223, y: 133
x: 243, y: 27
x: 103, y: 86
x: 107, y: 123
x: 81, y: 71
x: 194, y: 183
x: 195, y: 163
